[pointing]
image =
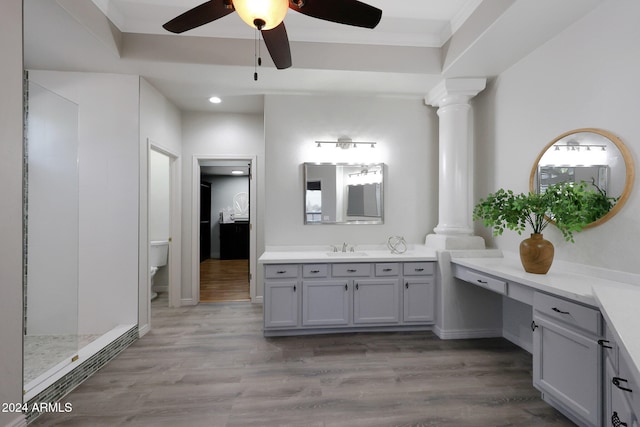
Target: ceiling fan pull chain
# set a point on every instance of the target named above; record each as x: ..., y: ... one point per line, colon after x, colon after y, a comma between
x: 256, y: 59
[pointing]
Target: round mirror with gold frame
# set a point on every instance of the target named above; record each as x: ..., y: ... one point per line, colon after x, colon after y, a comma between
x: 595, y: 156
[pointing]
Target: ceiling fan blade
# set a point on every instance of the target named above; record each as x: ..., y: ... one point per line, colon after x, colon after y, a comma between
x: 277, y: 43
x: 199, y: 15
x: 348, y: 12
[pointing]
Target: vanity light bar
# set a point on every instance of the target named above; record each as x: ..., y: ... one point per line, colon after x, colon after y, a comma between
x: 345, y: 144
x: 576, y: 147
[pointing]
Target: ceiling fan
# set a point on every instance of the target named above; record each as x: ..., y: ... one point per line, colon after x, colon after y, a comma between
x: 268, y: 15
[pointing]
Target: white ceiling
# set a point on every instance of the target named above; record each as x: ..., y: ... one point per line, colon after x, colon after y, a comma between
x: 416, y: 44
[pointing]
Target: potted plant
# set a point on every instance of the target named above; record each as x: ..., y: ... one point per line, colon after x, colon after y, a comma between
x: 569, y: 206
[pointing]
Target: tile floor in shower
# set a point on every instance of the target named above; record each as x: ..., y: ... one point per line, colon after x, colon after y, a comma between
x: 42, y: 352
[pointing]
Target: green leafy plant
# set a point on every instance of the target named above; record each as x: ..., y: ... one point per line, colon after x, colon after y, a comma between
x: 570, y: 206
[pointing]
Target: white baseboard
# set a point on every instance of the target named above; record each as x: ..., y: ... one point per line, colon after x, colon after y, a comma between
x: 143, y: 330
x: 458, y: 334
x: 160, y: 288
x: 527, y: 346
x: 188, y: 301
x: 21, y: 421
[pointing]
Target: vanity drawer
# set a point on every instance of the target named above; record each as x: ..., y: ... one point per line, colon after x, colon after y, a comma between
x: 387, y: 269
x: 279, y: 271
x: 570, y: 313
x: 491, y: 283
x: 315, y: 270
x: 418, y: 268
x: 351, y: 270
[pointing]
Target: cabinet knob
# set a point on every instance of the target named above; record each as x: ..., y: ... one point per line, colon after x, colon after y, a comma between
x: 346, y: 287
x: 294, y: 288
x: 357, y: 287
x: 406, y: 285
x: 603, y: 344
x: 533, y: 325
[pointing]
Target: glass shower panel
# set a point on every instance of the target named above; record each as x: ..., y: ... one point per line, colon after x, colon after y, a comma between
x: 51, y: 234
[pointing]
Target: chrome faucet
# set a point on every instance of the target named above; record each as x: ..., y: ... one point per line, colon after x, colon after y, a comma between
x: 344, y: 247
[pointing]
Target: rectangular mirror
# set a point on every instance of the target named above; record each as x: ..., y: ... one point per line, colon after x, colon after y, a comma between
x: 340, y: 193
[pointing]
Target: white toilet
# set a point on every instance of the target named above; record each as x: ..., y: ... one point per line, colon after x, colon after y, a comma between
x: 158, y: 256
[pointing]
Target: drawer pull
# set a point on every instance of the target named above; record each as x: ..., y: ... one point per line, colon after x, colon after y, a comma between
x: 484, y: 282
x: 603, y: 344
x: 387, y: 269
x: 406, y: 285
x: 419, y: 269
x: 294, y: 288
x: 357, y: 287
x: 557, y: 310
x: 315, y: 271
x: 533, y: 325
x: 351, y: 270
x: 615, y: 420
x: 346, y: 287
x: 616, y: 382
x: 281, y: 271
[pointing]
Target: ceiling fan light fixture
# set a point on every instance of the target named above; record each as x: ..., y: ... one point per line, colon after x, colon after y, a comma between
x: 271, y: 12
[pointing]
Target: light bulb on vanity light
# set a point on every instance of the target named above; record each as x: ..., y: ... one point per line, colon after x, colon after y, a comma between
x: 215, y: 100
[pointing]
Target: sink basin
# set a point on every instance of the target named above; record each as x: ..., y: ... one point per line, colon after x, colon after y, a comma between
x: 346, y: 254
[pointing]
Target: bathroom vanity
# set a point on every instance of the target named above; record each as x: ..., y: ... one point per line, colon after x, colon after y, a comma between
x: 586, y: 341
x: 315, y: 291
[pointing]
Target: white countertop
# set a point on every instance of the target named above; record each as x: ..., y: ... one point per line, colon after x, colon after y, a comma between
x: 618, y: 300
x: 324, y: 254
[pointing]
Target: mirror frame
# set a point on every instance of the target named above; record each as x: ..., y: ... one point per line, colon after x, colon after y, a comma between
x: 378, y: 221
x: 628, y: 163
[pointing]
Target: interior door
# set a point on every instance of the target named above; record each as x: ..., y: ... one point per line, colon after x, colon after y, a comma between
x: 205, y: 220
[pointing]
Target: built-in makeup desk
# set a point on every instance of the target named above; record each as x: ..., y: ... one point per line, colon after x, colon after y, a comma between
x: 586, y: 332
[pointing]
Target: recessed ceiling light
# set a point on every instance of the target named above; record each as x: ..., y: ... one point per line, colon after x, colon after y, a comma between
x: 237, y: 172
x: 215, y: 100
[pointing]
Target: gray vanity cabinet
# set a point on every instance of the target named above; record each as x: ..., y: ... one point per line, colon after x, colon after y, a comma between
x: 332, y: 297
x: 282, y: 299
x: 282, y: 296
x: 416, y: 296
x: 622, y: 399
x: 566, y: 357
x: 325, y: 303
x: 376, y: 301
x: 418, y: 292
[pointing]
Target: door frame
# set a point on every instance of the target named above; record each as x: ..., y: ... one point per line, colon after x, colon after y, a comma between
x: 175, y: 215
x: 195, y: 221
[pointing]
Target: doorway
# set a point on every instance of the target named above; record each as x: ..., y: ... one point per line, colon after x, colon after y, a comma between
x: 224, y: 231
x: 163, y: 214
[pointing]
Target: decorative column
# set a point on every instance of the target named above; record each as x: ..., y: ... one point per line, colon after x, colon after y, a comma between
x: 455, y: 227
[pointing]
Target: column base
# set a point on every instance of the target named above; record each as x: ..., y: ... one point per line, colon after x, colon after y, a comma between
x: 448, y: 242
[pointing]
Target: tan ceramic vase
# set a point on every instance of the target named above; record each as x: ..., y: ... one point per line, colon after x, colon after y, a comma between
x: 536, y: 254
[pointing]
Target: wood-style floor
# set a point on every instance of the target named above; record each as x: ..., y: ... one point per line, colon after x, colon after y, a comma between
x: 209, y: 365
x: 224, y: 280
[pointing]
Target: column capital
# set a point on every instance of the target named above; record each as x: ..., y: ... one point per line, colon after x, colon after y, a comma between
x: 454, y: 91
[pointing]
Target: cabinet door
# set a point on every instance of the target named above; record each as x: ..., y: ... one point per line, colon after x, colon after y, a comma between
x: 567, y: 370
x: 419, y: 300
x: 325, y: 303
x: 281, y: 303
x: 376, y: 301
